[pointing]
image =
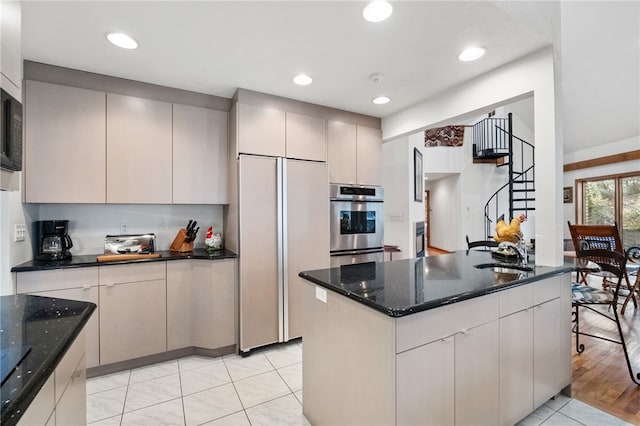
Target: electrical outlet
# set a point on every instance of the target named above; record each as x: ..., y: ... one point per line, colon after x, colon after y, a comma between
x: 19, y: 232
x: 123, y: 228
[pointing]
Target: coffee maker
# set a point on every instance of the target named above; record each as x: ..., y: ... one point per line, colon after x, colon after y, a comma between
x: 51, y: 241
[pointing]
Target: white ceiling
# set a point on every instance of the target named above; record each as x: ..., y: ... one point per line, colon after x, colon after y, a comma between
x: 215, y: 47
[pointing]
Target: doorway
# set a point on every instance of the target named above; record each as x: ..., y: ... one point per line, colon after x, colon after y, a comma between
x: 427, y: 216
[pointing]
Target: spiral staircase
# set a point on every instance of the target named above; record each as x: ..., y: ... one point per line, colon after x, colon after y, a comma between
x: 494, y: 142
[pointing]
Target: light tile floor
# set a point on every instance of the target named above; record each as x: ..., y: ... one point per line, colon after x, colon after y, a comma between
x: 264, y: 388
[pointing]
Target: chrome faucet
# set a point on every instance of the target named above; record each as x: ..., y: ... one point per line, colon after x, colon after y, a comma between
x: 520, y: 252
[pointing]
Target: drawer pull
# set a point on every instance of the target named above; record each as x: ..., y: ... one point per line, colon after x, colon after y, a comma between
x: 76, y: 374
x: 465, y: 331
x: 110, y: 285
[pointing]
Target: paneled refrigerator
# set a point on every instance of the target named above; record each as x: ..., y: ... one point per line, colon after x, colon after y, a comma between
x: 283, y: 229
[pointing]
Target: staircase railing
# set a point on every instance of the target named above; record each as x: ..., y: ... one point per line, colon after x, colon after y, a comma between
x: 521, y: 185
x: 487, y: 139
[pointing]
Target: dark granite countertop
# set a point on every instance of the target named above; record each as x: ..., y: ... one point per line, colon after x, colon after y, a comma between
x: 47, y: 327
x: 407, y: 286
x: 87, y: 260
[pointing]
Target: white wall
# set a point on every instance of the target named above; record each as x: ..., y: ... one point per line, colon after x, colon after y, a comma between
x: 533, y: 75
x: 90, y: 223
x: 457, y: 202
x: 401, y: 211
x: 396, y: 180
x: 569, y: 178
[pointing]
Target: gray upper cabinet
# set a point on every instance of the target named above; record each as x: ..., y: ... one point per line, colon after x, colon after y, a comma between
x: 369, y: 156
x: 199, y: 155
x: 64, y: 143
x: 306, y: 137
x: 342, y: 152
x: 261, y: 131
x: 139, y: 150
x: 355, y: 154
x: 276, y: 133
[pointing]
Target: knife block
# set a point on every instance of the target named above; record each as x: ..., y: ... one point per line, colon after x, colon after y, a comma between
x: 180, y: 243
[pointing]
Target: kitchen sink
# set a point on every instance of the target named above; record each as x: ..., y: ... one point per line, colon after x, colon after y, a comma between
x: 505, y: 269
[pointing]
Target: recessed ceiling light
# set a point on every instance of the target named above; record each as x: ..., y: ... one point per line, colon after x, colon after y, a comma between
x: 381, y: 100
x: 302, y: 80
x: 472, y: 53
x: 377, y: 11
x: 122, y: 40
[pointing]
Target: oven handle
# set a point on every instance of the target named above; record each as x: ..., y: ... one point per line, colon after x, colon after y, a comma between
x: 350, y: 200
x: 357, y: 252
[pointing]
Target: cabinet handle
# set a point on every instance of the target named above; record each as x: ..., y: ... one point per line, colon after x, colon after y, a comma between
x: 86, y: 287
x: 76, y: 374
x: 465, y: 331
x: 109, y: 285
x: 447, y: 339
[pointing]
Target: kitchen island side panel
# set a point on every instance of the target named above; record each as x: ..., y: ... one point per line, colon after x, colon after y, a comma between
x: 349, y: 349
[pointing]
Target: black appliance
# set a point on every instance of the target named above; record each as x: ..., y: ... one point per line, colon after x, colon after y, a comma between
x: 51, y: 240
x: 10, y: 132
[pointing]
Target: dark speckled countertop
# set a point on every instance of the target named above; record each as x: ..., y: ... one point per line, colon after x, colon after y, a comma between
x: 87, y: 260
x: 48, y: 327
x: 407, y: 286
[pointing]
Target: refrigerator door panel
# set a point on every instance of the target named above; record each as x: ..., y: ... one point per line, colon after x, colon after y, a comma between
x: 259, y: 293
x: 307, y: 233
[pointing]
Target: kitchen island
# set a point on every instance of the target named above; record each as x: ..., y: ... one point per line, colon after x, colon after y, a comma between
x: 434, y: 340
x: 42, y: 337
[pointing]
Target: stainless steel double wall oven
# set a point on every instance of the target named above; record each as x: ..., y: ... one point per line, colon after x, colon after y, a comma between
x: 356, y: 224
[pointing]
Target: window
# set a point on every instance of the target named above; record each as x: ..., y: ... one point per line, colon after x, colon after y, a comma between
x: 610, y: 199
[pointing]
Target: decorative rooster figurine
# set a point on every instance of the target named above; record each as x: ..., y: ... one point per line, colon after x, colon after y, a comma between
x: 511, y: 232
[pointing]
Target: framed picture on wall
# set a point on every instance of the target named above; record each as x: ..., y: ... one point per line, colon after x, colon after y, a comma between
x: 567, y: 194
x: 418, y: 179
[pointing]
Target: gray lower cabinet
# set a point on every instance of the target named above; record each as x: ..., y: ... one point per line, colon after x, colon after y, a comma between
x: 201, y: 304
x: 62, y: 399
x: 179, y: 311
x: 75, y: 284
x: 453, y: 380
x: 425, y: 381
x: 477, y: 369
x: 533, y: 348
x: 213, y: 293
x: 133, y: 311
x: 147, y: 308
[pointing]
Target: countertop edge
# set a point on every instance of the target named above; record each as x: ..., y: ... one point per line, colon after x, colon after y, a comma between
x: 31, y: 266
x: 397, y: 313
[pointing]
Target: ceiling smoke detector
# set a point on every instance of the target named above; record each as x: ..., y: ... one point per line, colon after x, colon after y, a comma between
x: 376, y: 77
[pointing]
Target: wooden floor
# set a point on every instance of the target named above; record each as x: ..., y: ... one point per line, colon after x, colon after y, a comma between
x: 600, y: 375
x: 434, y: 251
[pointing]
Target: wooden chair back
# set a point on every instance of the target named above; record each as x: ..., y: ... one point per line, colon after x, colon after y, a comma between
x: 592, y: 237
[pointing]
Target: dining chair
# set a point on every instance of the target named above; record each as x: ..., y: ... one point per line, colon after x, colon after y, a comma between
x: 605, y: 237
x: 480, y: 243
x: 613, y: 265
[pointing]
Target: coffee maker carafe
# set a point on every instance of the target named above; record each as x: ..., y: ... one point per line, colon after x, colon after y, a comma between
x: 51, y: 241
